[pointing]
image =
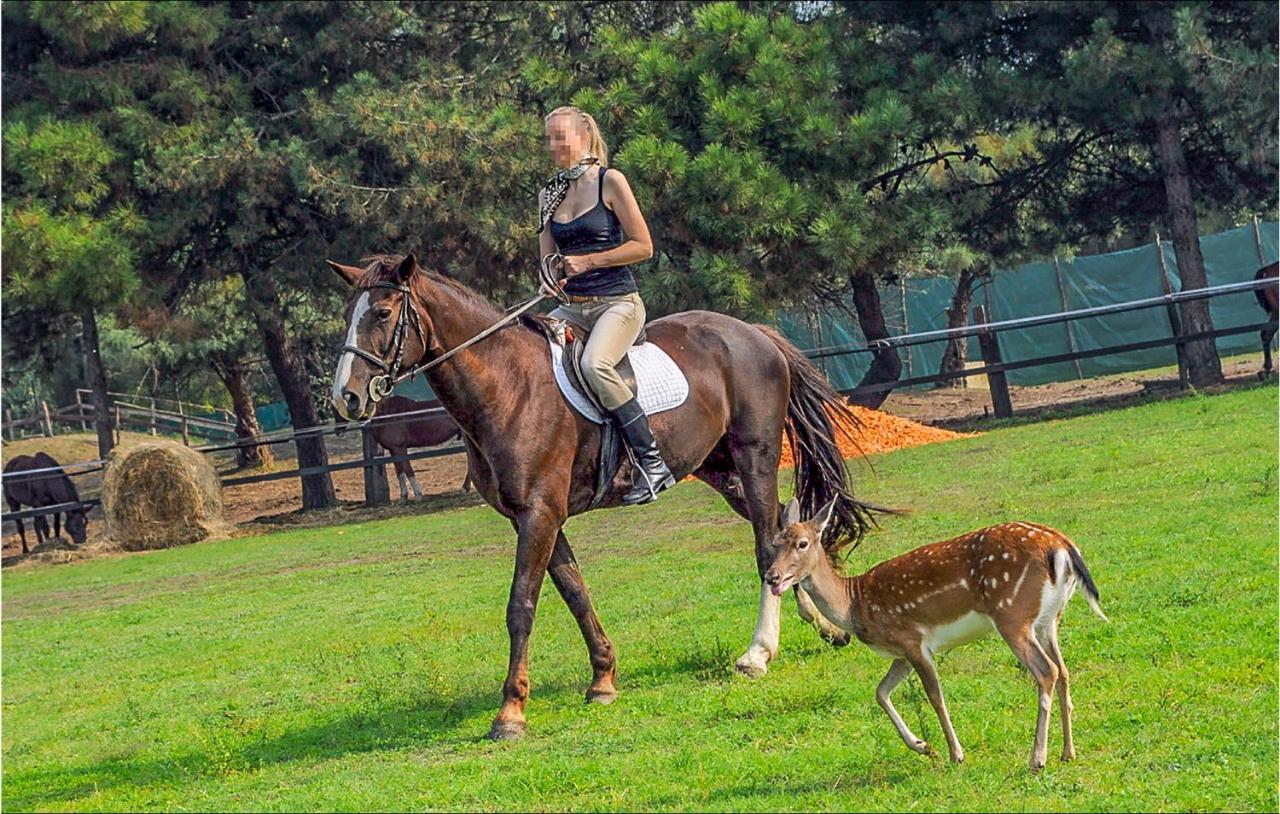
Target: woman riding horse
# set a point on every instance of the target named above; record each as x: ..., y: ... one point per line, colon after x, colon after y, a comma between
x: 596, y: 244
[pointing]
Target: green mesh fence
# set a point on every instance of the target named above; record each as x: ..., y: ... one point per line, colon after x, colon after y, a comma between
x: 1028, y: 290
x: 1038, y: 288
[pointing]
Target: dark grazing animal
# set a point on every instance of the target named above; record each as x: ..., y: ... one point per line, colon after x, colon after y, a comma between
x: 1269, y: 299
x: 534, y: 459
x: 397, y: 437
x: 39, y: 490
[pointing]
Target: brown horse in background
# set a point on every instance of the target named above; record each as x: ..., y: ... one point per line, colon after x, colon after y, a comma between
x: 398, y: 437
x: 1269, y: 299
x: 534, y: 459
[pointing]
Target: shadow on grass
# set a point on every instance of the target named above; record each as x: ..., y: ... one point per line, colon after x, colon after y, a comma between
x: 428, y: 719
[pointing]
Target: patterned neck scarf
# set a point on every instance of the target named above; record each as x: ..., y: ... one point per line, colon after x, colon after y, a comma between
x: 557, y: 188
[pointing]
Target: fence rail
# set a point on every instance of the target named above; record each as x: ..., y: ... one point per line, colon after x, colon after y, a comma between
x: 993, y: 368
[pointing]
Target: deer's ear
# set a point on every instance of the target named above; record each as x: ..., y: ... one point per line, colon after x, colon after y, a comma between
x: 407, y: 267
x: 791, y: 513
x: 823, y: 517
x: 351, y: 274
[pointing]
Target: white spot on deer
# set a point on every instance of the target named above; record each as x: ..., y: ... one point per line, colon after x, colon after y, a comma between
x: 1004, y: 556
x: 1006, y: 576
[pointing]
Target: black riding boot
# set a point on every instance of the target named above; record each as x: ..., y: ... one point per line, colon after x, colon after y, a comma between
x: 652, y: 474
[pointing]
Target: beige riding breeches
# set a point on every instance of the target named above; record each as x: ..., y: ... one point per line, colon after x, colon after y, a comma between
x: 614, y: 322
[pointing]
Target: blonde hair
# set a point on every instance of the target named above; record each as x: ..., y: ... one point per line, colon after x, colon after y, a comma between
x: 597, y: 147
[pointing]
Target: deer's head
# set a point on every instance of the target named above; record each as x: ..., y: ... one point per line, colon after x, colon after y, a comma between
x: 798, y: 549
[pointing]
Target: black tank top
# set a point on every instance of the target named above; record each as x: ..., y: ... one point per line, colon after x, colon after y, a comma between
x: 595, y: 230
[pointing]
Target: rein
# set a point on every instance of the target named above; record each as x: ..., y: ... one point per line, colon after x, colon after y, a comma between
x: 381, y: 386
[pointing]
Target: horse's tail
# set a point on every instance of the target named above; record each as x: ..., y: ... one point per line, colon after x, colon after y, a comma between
x: 820, y: 474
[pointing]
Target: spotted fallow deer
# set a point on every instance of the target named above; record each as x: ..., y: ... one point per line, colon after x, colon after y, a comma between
x: 1014, y: 578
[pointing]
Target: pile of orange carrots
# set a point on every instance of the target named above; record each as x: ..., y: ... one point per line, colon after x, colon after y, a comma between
x: 877, y: 432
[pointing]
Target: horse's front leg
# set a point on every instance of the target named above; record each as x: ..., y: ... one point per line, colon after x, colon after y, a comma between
x: 568, y: 581
x: 537, y: 529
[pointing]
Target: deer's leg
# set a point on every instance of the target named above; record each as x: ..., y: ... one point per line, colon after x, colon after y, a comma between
x: 1023, y: 643
x: 898, y: 671
x: 1048, y: 638
x: 537, y: 529
x: 923, y: 662
x: 568, y: 581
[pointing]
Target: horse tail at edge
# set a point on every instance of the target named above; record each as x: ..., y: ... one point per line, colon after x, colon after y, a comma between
x: 820, y: 473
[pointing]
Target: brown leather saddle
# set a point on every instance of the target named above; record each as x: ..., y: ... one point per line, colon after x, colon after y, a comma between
x: 612, y: 448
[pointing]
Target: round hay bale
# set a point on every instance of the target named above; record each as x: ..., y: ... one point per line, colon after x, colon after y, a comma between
x: 160, y: 494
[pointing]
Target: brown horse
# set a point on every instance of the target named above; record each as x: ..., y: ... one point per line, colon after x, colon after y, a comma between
x: 398, y: 437
x: 534, y: 459
x: 42, y: 489
x: 1269, y: 299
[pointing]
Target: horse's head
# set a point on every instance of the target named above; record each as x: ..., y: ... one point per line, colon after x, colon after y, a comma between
x: 385, y: 335
x: 77, y: 526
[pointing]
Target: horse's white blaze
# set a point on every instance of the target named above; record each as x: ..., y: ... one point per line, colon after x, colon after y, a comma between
x: 343, y: 373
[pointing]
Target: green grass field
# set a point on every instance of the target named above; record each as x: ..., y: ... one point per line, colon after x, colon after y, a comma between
x: 359, y: 667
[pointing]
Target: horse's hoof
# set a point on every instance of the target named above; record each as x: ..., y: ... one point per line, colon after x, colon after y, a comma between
x: 507, y: 730
x: 603, y: 697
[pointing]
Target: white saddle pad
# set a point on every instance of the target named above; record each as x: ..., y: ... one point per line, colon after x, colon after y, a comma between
x: 661, y: 384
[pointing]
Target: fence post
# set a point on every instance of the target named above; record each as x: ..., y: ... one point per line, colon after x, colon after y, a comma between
x: 1175, y: 323
x: 48, y: 422
x: 1062, y: 298
x: 989, y: 344
x: 153, y: 415
x: 1257, y: 242
x: 186, y: 437
x: 80, y: 411
x: 118, y: 431
x: 906, y: 326
x: 377, y: 491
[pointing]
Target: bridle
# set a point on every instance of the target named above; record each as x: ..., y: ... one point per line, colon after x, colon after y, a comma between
x: 380, y: 386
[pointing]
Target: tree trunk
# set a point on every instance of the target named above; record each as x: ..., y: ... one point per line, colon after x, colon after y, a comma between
x: 957, y: 349
x: 232, y: 374
x: 97, y: 375
x: 1203, y: 365
x: 264, y: 302
x: 885, y: 364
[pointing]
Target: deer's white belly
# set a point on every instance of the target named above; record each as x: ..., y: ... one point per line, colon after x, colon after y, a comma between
x: 962, y: 630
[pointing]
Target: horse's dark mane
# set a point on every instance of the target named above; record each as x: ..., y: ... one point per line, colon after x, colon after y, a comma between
x: 381, y: 268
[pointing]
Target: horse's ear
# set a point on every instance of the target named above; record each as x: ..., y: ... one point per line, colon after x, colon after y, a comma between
x: 349, y: 273
x: 406, y: 268
x: 791, y: 513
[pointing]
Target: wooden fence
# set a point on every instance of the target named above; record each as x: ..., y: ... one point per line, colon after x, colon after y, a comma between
x: 377, y: 491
